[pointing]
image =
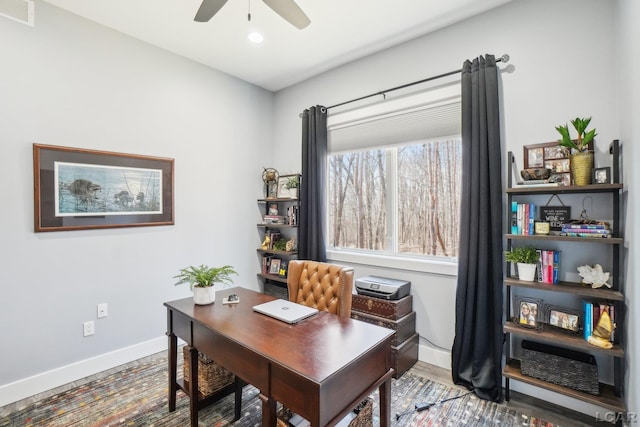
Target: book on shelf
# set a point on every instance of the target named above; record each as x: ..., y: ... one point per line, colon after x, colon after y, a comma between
x: 548, y: 266
x: 522, y: 218
x: 273, y: 219
x: 537, y: 183
x: 592, y: 312
x: 601, y: 226
x: 585, y: 234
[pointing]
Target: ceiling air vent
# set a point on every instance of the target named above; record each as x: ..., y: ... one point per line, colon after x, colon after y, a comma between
x: 18, y: 10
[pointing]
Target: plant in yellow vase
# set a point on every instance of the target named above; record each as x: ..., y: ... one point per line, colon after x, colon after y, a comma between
x: 581, y: 157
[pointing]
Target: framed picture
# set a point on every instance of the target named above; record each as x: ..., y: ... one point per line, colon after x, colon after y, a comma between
x: 602, y: 175
x: 563, y: 318
x: 528, y: 312
x: 558, y: 165
x: 79, y: 189
x: 285, y: 190
x: 550, y: 155
x: 274, y: 267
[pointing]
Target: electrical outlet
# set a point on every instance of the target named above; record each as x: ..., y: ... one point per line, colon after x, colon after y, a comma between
x: 103, y: 310
x: 89, y: 328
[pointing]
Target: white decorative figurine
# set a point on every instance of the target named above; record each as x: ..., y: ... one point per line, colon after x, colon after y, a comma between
x: 594, y: 275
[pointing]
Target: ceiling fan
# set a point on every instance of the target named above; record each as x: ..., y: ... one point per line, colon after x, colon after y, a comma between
x: 287, y: 9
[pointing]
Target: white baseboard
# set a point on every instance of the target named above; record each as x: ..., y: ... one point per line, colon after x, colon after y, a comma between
x: 434, y: 356
x: 40, y: 383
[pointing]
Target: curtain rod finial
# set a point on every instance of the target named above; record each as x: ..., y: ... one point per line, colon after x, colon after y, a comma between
x: 504, y: 58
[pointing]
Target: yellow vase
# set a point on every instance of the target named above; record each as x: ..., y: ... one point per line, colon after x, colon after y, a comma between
x: 581, y: 166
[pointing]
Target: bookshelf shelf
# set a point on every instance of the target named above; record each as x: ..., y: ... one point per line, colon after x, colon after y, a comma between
x: 285, y: 210
x: 612, y: 299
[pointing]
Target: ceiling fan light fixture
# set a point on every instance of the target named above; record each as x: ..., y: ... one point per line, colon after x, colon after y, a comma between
x: 255, y: 37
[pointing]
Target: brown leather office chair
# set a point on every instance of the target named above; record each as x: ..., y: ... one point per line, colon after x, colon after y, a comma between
x: 327, y: 287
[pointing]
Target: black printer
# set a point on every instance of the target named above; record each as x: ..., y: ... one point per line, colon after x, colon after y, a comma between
x: 381, y: 287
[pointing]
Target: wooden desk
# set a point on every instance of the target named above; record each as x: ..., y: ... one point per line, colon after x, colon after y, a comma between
x: 320, y: 368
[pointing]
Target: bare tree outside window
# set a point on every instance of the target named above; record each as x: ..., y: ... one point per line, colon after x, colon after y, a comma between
x: 427, y: 195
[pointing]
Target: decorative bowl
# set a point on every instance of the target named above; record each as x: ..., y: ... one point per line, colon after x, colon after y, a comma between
x: 535, y: 173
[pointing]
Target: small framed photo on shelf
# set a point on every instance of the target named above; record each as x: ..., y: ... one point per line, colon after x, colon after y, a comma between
x: 282, y: 272
x: 274, y: 267
x: 602, y: 175
x: 528, y: 312
x: 563, y: 318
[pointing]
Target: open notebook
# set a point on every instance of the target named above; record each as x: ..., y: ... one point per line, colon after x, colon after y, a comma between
x: 284, y: 310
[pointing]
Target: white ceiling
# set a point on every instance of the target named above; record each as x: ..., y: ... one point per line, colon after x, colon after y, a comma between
x: 340, y: 31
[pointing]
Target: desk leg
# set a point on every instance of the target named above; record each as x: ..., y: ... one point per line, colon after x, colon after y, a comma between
x: 173, y: 367
x: 193, y: 386
x: 385, y: 403
x: 268, y: 411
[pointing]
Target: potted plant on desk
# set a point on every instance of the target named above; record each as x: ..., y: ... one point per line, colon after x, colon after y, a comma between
x: 202, y: 280
x: 526, y: 257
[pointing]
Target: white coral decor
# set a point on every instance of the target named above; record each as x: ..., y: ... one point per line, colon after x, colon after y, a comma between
x: 594, y: 275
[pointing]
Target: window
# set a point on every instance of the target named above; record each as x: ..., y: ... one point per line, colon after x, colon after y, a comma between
x: 394, y: 178
x: 399, y: 200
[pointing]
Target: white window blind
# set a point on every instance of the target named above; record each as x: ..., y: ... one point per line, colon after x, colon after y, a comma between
x: 424, y: 116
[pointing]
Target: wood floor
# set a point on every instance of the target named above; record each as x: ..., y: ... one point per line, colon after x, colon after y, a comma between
x: 525, y: 404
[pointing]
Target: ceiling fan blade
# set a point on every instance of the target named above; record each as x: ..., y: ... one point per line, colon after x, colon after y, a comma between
x: 208, y: 8
x: 290, y: 11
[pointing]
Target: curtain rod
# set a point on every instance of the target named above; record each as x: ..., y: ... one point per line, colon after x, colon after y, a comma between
x: 503, y: 58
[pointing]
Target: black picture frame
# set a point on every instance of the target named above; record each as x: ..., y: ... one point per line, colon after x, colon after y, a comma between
x: 556, y: 216
x: 563, y: 318
x: 528, y: 312
x: 81, y: 189
x: 601, y: 175
x: 274, y: 266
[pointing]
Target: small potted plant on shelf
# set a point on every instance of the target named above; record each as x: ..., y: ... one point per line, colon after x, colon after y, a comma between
x: 582, y: 158
x: 202, y: 280
x: 526, y: 257
x: 292, y: 184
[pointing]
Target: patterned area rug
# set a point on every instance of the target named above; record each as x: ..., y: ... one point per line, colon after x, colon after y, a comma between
x: 137, y: 396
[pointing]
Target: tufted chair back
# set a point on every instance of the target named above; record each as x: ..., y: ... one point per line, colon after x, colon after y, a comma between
x: 321, y: 285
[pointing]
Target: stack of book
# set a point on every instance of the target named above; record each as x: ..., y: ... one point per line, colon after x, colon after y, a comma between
x: 273, y: 219
x: 586, y: 230
x: 592, y: 313
x: 538, y: 183
x: 522, y: 218
x: 548, y: 266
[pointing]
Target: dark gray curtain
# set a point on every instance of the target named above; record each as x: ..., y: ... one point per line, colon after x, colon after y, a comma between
x: 476, y: 355
x: 311, y: 243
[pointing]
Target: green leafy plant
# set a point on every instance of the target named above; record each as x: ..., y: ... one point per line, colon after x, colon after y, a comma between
x: 293, y: 182
x: 584, y: 138
x: 280, y: 245
x: 204, y: 276
x: 522, y: 254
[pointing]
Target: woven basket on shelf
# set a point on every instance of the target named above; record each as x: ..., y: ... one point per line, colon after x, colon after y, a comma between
x: 363, y: 415
x: 211, y: 376
x: 564, y: 367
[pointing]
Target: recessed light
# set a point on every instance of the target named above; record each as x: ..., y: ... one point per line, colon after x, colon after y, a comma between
x: 255, y: 37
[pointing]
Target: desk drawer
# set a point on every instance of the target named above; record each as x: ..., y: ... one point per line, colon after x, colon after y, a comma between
x: 389, y: 309
x: 403, y: 327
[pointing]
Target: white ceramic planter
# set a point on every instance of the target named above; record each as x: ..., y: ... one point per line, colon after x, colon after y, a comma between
x: 527, y: 272
x: 204, y: 296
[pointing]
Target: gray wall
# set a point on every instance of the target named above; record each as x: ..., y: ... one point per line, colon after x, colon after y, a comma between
x: 628, y: 94
x: 69, y: 82
x: 560, y: 70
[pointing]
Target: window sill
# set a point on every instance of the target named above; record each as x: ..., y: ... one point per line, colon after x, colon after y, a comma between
x: 447, y: 268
